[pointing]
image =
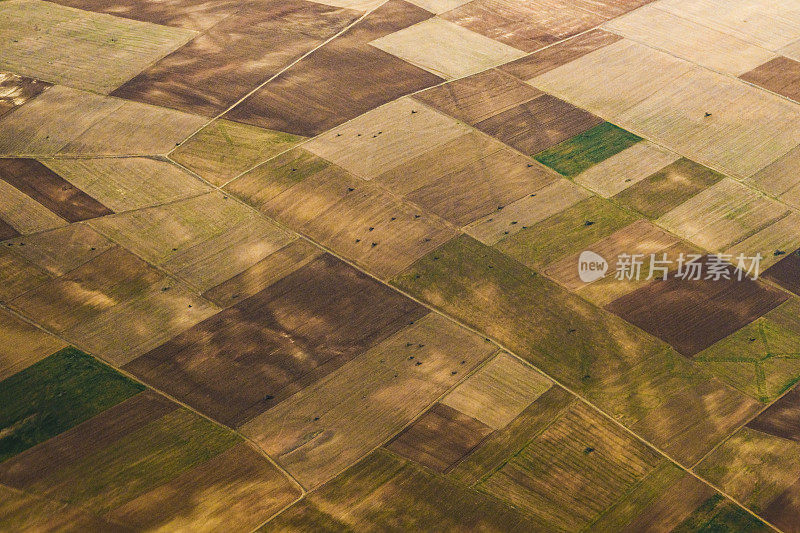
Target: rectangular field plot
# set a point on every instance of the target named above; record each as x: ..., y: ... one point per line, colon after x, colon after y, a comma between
x: 639, y: 238
x: 286, y: 337
x: 239, y: 489
x: 668, y: 188
x: 479, y: 96
x: 538, y: 124
x: 124, y: 184
x: 666, y: 399
x: 384, y: 492
x: 60, y: 250
x: 467, y: 178
x: 786, y: 271
x: 714, y: 119
x: 440, y: 438
x: 22, y: 214
x: 385, y: 137
x: 51, y: 190
x: 224, y: 149
x: 569, y: 474
x: 721, y: 215
x: 339, y: 81
x: 565, y: 233
x: 526, y: 25
x: 613, y: 78
x: 314, y: 433
x: 527, y: 211
x: 559, y: 54
x: 78, y: 122
x: 498, y: 392
x: 446, y: 49
x: 20, y: 275
x: 22, y: 511
x: 692, y: 315
x: 222, y: 65
x: 773, y: 242
x: 625, y: 169
x: 765, y: 23
x: 80, y: 49
x: 575, y: 155
x: 689, y: 40
x: 15, y: 90
x: 25, y: 344
x: 358, y: 219
x: 190, y: 238
x: 780, y: 178
x: 115, y: 305
x: 188, y: 14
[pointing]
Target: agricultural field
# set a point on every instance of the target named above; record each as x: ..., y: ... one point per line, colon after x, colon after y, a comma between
x: 400, y: 265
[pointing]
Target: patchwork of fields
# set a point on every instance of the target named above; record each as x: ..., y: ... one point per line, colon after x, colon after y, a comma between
x: 313, y: 265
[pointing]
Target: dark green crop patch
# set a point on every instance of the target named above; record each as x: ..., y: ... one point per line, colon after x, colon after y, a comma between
x: 575, y: 155
x: 54, y: 395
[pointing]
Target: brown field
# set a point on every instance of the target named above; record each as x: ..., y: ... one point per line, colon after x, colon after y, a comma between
x: 286, y: 337
x: 341, y: 80
x: 786, y: 272
x: 51, y: 190
x: 559, y: 54
x: 90, y: 303
x: 781, y: 418
x: 440, y: 438
x: 692, y: 315
x: 546, y: 21
x: 7, y: 231
x: 315, y: 434
x: 24, y: 214
x: 272, y: 268
x: 15, y: 90
x: 220, y: 66
x: 780, y: 75
x: 236, y: 490
x: 538, y: 124
x: 479, y: 96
